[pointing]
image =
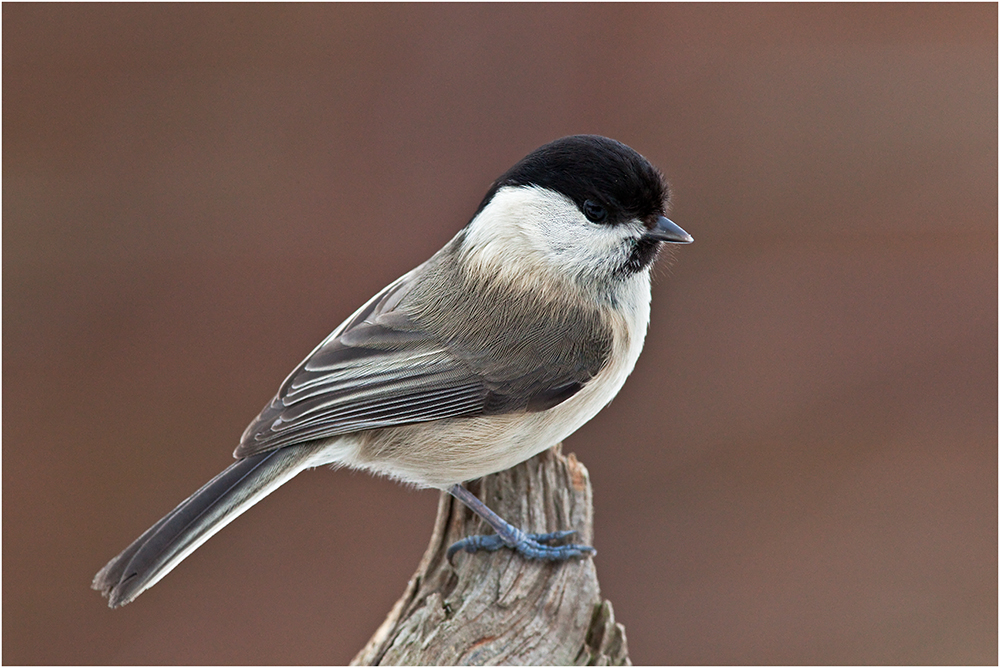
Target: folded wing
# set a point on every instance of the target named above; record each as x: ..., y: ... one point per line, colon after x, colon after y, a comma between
x: 386, y: 366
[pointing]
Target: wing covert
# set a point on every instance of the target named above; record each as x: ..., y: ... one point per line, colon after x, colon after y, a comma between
x: 401, y: 360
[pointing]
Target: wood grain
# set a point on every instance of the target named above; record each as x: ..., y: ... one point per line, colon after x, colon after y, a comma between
x: 499, y: 608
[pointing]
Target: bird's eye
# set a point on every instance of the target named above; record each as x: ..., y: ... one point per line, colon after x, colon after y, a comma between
x: 594, y: 212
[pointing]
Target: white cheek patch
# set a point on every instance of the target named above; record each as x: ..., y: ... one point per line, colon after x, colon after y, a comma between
x: 529, y: 234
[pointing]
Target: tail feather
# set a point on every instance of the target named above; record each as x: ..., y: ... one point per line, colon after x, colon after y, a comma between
x: 164, y: 545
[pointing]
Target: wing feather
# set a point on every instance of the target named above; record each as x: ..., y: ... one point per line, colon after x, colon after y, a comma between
x: 396, y: 361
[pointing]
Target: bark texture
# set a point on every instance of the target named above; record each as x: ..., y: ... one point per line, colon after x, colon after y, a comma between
x: 497, y: 608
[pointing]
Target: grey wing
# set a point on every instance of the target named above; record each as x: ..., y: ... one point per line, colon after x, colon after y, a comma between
x: 384, y: 368
x: 376, y: 370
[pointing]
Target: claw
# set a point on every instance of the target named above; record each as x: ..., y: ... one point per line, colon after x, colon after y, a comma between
x: 531, y: 546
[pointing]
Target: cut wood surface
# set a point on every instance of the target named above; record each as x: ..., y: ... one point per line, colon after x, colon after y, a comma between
x: 497, y: 608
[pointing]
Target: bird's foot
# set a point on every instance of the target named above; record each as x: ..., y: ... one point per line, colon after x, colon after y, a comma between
x: 529, y: 545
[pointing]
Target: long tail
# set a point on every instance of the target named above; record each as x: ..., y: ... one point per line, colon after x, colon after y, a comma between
x: 166, y: 543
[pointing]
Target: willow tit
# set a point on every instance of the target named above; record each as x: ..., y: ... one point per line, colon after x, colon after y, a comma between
x: 501, y: 345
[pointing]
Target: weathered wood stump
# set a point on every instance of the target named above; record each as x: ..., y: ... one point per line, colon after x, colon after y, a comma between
x: 497, y: 608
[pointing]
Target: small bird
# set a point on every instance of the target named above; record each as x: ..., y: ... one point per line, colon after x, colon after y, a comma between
x: 506, y: 341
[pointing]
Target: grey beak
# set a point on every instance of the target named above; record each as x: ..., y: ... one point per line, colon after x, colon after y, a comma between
x: 669, y: 231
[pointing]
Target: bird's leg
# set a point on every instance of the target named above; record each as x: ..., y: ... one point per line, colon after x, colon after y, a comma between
x: 530, y: 545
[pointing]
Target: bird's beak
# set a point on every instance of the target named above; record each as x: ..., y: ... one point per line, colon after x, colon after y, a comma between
x: 667, y: 230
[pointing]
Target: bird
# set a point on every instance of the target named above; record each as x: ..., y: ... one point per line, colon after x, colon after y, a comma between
x: 506, y: 341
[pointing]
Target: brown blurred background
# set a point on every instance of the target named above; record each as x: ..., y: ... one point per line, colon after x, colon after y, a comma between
x: 803, y: 467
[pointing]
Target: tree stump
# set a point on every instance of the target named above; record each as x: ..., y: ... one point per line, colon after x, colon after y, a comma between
x: 497, y: 608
